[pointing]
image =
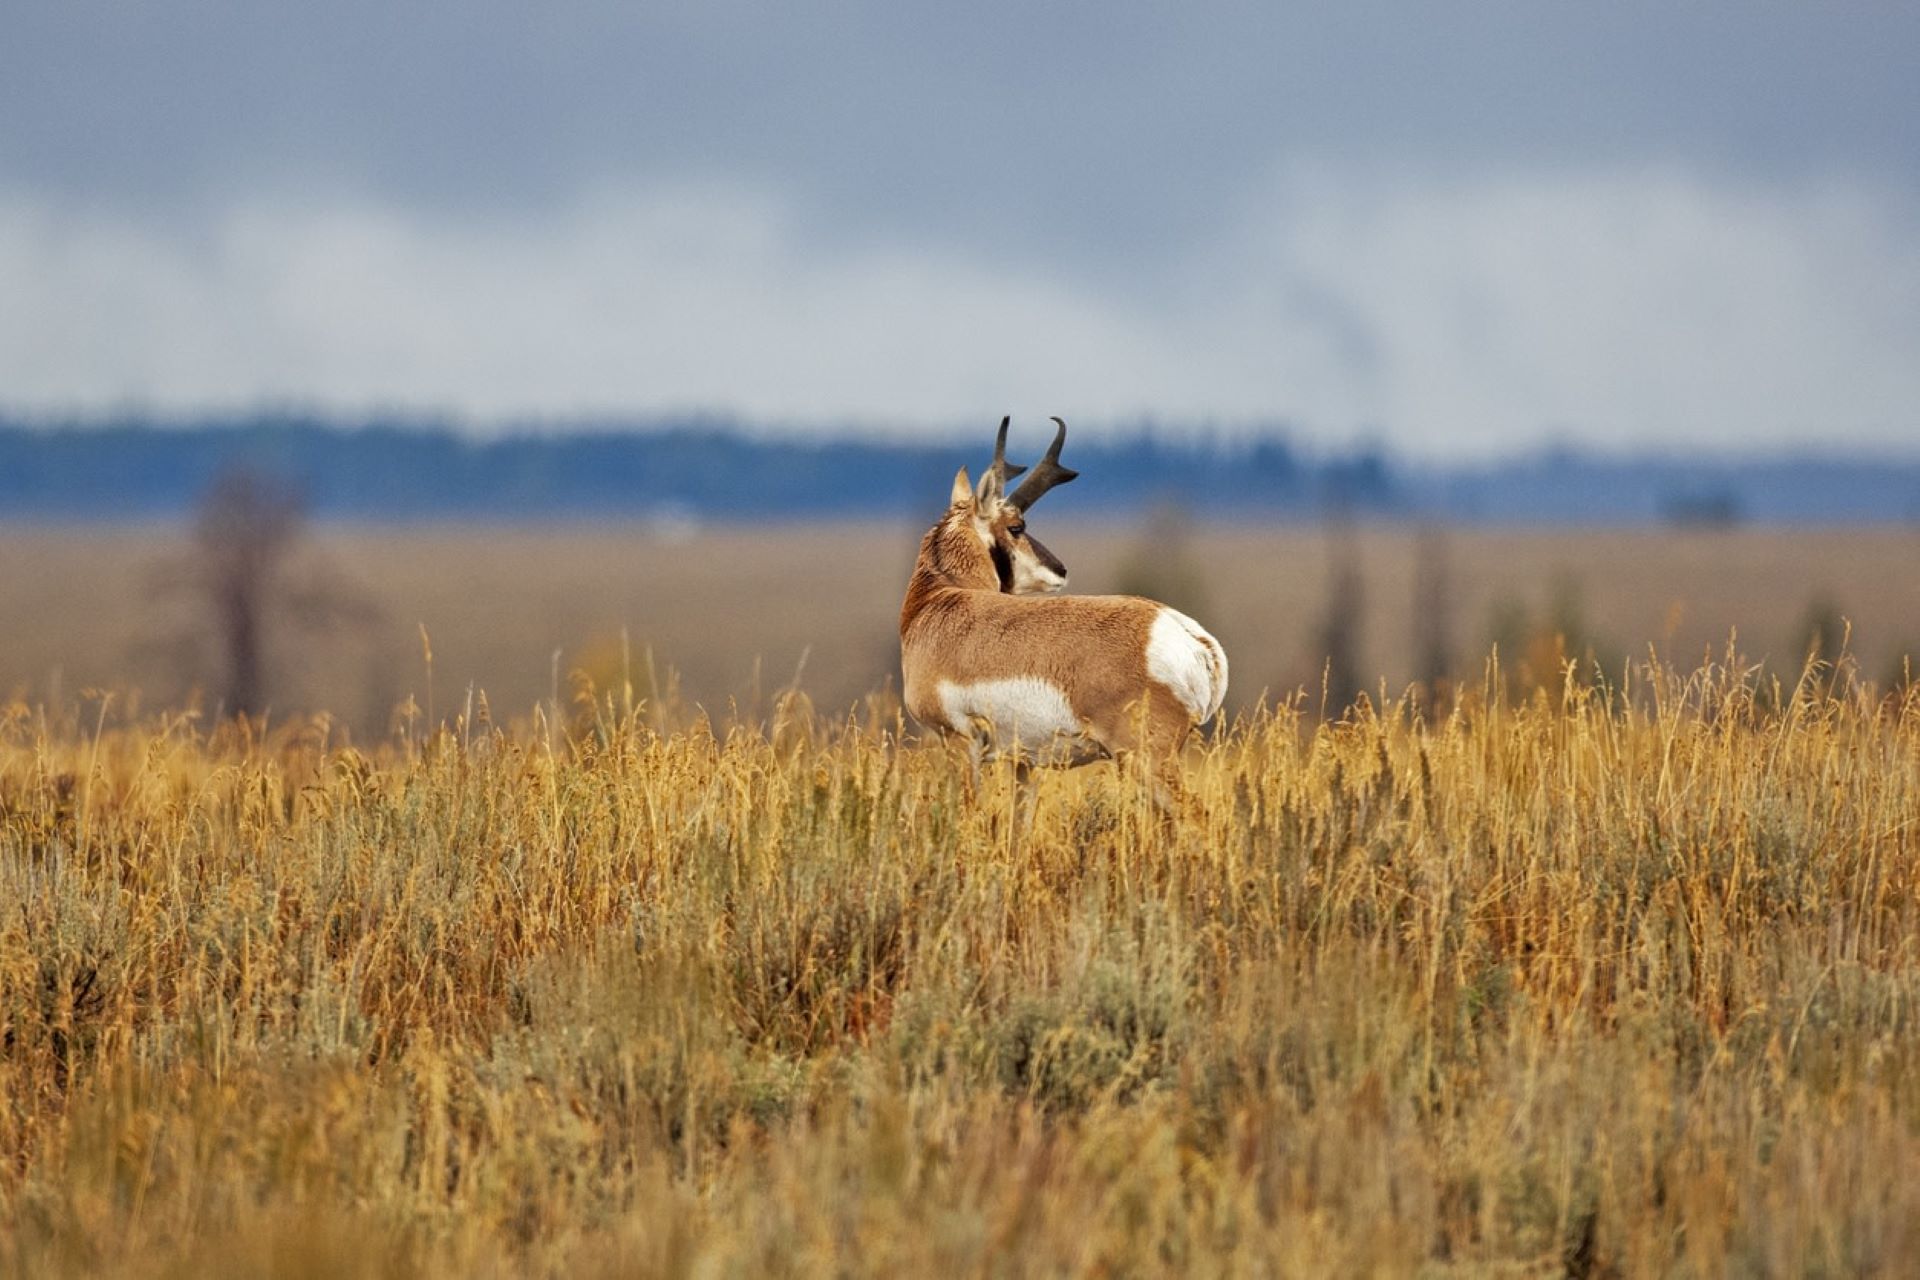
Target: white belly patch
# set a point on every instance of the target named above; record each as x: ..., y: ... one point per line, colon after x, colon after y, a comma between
x: 1191, y: 663
x: 1022, y: 711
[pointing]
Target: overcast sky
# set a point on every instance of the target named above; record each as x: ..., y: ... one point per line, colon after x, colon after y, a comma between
x: 1457, y: 229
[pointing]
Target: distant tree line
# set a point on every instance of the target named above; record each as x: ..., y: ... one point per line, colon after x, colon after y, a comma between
x: 405, y: 471
x: 387, y: 469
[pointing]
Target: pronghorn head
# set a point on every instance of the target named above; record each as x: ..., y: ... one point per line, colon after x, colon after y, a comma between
x: 998, y: 519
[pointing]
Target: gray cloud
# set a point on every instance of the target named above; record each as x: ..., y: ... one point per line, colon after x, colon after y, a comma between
x: 1460, y: 227
x: 1635, y: 307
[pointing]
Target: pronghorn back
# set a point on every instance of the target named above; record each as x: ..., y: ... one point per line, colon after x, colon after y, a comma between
x: 1081, y: 669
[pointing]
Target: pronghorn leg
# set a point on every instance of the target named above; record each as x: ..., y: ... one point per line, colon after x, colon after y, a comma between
x: 976, y: 753
x: 1168, y: 789
x: 1164, y: 771
x: 1159, y: 777
x: 1149, y: 736
x: 1024, y: 788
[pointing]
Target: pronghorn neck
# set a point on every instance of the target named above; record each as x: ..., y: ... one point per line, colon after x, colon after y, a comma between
x: 951, y: 559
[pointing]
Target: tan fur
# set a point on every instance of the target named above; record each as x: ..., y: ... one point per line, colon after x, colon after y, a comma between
x: 956, y: 625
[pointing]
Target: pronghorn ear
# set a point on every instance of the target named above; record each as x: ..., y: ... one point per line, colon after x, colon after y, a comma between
x: 992, y: 487
x: 962, y: 489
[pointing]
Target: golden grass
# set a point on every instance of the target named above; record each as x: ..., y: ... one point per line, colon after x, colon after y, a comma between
x: 1595, y: 982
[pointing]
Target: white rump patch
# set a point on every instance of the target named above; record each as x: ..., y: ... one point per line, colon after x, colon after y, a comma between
x: 1018, y: 710
x: 1183, y: 657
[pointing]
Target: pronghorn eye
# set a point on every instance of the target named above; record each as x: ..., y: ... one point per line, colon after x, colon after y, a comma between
x: 1017, y: 530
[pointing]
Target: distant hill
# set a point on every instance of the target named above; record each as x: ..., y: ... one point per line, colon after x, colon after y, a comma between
x: 406, y: 471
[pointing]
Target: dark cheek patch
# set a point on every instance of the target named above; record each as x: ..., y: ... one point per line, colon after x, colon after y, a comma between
x: 1003, y: 566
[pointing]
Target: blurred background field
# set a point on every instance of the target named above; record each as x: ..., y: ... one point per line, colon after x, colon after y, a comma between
x: 731, y: 615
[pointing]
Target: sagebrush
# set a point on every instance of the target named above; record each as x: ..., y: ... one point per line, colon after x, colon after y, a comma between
x: 1599, y: 980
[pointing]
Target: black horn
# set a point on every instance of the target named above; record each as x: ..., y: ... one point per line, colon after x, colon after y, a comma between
x: 1046, y: 474
x: 1007, y: 470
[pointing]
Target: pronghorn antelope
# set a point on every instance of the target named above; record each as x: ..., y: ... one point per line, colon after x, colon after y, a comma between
x: 990, y: 654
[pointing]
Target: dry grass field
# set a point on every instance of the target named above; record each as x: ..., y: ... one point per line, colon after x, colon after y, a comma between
x: 1580, y: 973
x: 1587, y: 983
x: 736, y: 613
